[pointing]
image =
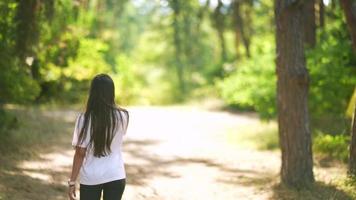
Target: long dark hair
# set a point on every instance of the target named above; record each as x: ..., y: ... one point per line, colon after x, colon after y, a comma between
x: 101, y: 114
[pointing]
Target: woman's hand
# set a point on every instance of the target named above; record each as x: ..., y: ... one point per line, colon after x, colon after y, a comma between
x: 71, y: 193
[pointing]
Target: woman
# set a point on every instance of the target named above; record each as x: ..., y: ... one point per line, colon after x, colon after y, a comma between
x: 97, y: 140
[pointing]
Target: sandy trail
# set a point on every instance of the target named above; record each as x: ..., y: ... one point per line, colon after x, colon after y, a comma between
x: 171, y: 153
x: 182, y: 153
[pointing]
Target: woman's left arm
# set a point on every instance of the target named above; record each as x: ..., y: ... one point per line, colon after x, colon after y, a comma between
x: 79, y: 156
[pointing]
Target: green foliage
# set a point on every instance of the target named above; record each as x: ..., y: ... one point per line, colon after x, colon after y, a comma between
x: 332, y: 71
x: 127, y: 87
x: 333, y: 146
x: 89, y: 61
x: 253, y: 83
x: 332, y: 74
x: 333, y: 77
x: 191, y: 47
x: 15, y: 83
x: 143, y: 44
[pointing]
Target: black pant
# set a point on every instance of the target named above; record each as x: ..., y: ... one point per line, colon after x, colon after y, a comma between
x: 112, y: 190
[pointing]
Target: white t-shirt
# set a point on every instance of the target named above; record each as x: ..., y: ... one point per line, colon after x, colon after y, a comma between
x: 104, y: 169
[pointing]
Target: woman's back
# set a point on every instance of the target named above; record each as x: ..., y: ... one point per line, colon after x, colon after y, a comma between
x: 98, y: 170
x: 97, y: 139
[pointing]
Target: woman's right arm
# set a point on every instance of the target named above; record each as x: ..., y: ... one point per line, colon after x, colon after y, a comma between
x: 79, y: 156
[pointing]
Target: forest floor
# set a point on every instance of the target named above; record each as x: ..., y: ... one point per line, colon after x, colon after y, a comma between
x: 171, y: 153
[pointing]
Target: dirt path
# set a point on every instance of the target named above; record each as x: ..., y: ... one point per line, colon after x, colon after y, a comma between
x: 183, y: 153
x: 171, y: 153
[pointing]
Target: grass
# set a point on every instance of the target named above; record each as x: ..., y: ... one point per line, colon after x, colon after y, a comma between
x: 40, y: 130
x: 256, y: 135
x: 318, y: 191
x: 329, y: 162
x: 264, y: 136
x: 36, y: 128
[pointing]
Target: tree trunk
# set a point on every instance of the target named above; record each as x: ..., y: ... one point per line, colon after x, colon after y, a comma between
x: 240, y: 31
x: 236, y: 20
x: 178, y: 46
x: 292, y: 95
x: 222, y: 45
x: 352, y: 153
x: 309, y: 23
x: 27, y: 33
x: 350, y: 13
x: 321, y: 13
x: 349, y: 7
x: 202, y: 13
x: 220, y: 26
x: 333, y: 4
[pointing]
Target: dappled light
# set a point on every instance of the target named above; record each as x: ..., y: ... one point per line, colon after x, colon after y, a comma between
x: 192, y: 160
x: 160, y: 158
x: 226, y: 99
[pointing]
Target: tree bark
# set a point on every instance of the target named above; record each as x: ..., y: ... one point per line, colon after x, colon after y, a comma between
x: 321, y: 13
x: 202, y: 13
x: 240, y: 30
x: 292, y: 95
x: 352, y: 153
x: 27, y: 33
x: 178, y: 46
x: 220, y: 27
x: 309, y: 23
x: 350, y: 14
x: 349, y: 7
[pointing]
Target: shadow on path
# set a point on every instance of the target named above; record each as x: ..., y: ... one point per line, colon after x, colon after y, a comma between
x: 319, y: 191
x: 25, y: 173
x: 155, y: 166
x: 37, y: 164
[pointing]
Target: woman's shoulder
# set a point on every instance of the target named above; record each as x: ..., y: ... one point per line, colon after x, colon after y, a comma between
x: 124, y: 115
x: 120, y: 109
x: 80, y: 116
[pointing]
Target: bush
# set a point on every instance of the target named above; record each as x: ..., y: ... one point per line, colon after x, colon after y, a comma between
x: 333, y: 146
x: 252, y: 85
x: 332, y: 68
